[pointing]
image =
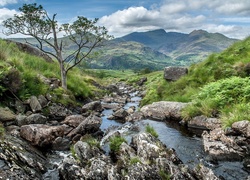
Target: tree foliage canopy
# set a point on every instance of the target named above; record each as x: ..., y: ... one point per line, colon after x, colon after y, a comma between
x: 33, y: 20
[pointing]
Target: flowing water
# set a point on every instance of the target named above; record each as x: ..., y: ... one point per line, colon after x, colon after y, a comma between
x: 188, y: 146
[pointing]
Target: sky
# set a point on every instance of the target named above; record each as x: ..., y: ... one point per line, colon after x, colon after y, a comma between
x: 121, y: 17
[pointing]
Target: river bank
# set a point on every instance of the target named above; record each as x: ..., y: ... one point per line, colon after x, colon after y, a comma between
x: 44, y: 154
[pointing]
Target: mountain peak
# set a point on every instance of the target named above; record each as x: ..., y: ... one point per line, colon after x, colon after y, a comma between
x: 198, y: 32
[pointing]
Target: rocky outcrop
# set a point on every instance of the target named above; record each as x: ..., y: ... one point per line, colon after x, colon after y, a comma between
x: 163, y: 110
x: 41, y: 135
x: 174, y: 73
x: 221, y: 147
x: 19, y: 160
x: 204, y: 123
x: 242, y: 127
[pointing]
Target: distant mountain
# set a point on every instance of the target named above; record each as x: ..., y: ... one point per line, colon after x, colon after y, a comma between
x: 184, y: 48
x: 129, y: 55
x: 154, y: 49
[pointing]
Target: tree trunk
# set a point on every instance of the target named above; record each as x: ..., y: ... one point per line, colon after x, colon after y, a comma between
x: 63, y: 76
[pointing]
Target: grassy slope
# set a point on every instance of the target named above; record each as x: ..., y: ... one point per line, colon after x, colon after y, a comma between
x: 234, y: 61
x: 29, y: 68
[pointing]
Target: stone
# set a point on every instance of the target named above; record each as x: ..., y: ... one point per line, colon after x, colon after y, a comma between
x: 204, y: 123
x: 92, y: 106
x: 242, y: 127
x: 22, y: 160
x: 73, y: 120
x: 142, y: 81
x: 34, y: 104
x: 120, y: 114
x: 58, y: 112
x: 61, y: 144
x: 20, y: 107
x: 34, y: 119
x: 136, y: 116
x: 131, y: 109
x: 90, y: 125
x: 6, y: 115
x: 41, y: 135
x: 174, y: 73
x: 42, y: 100
x: 163, y: 110
x: 221, y: 147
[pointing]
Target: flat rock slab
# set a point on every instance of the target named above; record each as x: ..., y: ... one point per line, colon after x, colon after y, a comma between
x: 163, y: 110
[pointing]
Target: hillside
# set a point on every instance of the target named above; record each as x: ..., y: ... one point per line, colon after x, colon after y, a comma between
x: 217, y: 87
x: 129, y: 55
x: 185, y: 49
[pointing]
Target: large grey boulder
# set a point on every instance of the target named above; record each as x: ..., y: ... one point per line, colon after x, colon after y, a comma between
x: 242, y: 127
x: 204, y: 123
x: 174, y: 73
x: 163, y: 110
x: 221, y: 147
x: 35, y: 119
x: 20, y: 160
x: 41, y: 135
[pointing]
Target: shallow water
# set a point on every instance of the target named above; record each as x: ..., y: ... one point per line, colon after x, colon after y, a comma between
x: 188, y: 147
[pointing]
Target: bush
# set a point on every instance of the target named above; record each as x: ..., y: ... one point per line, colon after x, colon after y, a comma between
x: 151, y: 130
x: 216, y: 96
x: 115, y: 143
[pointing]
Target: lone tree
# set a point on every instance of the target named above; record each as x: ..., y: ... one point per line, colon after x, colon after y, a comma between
x: 83, y: 33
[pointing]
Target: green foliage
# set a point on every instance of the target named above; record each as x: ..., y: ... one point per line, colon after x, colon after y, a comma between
x: 234, y: 113
x: 93, y: 142
x: 216, y: 96
x: 149, y: 129
x: 115, y: 143
x: 164, y: 175
x: 134, y: 160
x: 2, y: 130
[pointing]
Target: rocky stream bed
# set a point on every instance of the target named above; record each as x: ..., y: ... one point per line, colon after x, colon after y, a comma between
x: 37, y: 146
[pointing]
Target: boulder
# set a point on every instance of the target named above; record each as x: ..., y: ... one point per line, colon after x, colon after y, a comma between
x: 41, y: 135
x: 73, y: 120
x: 204, y: 123
x: 20, y: 160
x: 131, y: 109
x: 61, y: 144
x: 85, y: 152
x: 221, y: 147
x: 120, y: 114
x: 42, y: 100
x: 90, y: 125
x: 174, y: 73
x: 6, y: 115
x: 20, y: 107
x: 136, y: 116
x: 142, y: 81
x: 34, y: 104
x: 92, y: 106
x: 58, y: 112
x: 35, y: 119
x: 163, y: 110
x: 242, y: 127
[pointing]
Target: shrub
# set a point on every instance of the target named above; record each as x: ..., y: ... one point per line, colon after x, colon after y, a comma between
x: 115, y: 143
x: 151, y: 130
x: 90, y: 140
x: 237, y: 112
x: 134, y: 160
x: 216, y: 96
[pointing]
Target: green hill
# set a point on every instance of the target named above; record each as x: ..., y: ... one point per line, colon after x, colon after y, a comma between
x: 185, y: 49
x: 217, y: 87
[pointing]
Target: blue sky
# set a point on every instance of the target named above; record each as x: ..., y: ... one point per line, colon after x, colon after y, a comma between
x: 120, y: 17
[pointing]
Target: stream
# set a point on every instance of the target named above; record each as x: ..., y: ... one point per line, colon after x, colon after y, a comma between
x: 187, y: 145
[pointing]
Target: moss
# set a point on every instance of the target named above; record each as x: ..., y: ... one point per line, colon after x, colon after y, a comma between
x: 115, y: 143
x: 151, y: 130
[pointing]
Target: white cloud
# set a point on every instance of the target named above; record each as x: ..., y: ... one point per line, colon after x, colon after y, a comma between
x: 5, y: 2
x: 182, y: 16
x: 6, y: 13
